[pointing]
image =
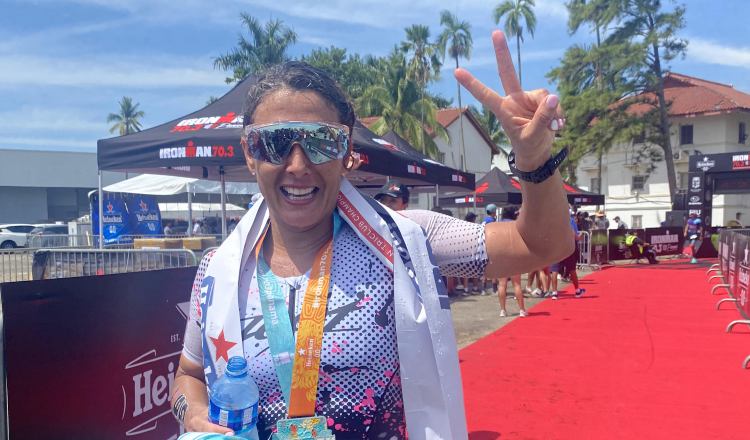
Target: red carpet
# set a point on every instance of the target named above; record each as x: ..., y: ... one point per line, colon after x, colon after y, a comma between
x: 643, y: 355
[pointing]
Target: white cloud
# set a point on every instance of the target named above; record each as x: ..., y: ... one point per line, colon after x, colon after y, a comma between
x: 714, y: 53
x: 144, y: 72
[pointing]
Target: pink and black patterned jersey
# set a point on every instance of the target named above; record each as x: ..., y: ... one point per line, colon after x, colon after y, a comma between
x: 359, y: 390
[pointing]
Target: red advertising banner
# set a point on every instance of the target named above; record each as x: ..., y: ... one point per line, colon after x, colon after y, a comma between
x: 94, y: 357
x: 742, y: 259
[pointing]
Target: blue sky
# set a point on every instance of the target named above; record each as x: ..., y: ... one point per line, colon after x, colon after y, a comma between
x: 64, y: 64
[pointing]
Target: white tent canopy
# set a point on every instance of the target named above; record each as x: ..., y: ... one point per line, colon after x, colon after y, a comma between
x: 159, y: 185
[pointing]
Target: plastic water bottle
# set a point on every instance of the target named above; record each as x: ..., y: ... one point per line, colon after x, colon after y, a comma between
x: 234, y: 400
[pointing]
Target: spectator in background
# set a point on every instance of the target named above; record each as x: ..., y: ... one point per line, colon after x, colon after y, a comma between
x: 394, y: 195
x: 471, y: 217
x: 464, y: 288
x: 601, y: 221
x: 169, y: 229
x: 509, y: 214
x: 198, y: 227
x: 620, y: 224
x: 583, y: 221
x: 567, y: 267
x: 693, y: 232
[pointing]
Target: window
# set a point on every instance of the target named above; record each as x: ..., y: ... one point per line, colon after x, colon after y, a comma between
x: 640, y: 138
x: 686, y: 134
x: 21, y: 229
x: 682, y: 180
x: 742, y: 133
x: 638, y: 183
x: 441, y: 157
x: 596, y: 185
x: 636, y: 222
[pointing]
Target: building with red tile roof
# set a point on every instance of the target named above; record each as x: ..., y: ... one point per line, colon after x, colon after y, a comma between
x: 706, y: 117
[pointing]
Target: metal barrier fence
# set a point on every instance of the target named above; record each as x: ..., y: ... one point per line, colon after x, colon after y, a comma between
x: 61, y: 241
x: 66, y: 263
x: 15, y: 264
x: 584, y: 249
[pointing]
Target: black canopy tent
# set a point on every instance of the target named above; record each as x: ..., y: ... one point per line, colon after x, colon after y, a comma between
x: 205, y: 145
x: 501, y: 189
x: 581, y: 197
x: 495, y: 187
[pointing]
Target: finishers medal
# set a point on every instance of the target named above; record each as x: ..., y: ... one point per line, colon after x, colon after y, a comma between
x: 303, y: 428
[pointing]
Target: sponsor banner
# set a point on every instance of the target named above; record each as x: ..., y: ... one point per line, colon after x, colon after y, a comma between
x: 665, y: 241
x: 742, y: 283
x: 126, y: 215
x: 599, y: 249
x: 190, y: 151
x: 229, y: 120
x: 115, y: 219
x: 617, y: 248
x: 94, y: 357
x: 741, y: 161
x: 725, y: 245
x: 145, y: 214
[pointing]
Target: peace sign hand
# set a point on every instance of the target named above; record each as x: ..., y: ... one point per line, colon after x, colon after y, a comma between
x: 529, y: 119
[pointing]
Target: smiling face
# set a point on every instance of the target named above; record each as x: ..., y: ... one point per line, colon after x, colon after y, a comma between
x: 300, y: 194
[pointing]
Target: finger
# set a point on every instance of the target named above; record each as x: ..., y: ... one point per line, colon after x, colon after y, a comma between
x: 505, y: 68
x: 546, y: 118
x: 482, y: 93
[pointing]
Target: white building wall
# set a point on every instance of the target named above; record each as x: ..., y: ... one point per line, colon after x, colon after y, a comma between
x: 478, y: 156
x: 711, y: 134
x: 40, y: 186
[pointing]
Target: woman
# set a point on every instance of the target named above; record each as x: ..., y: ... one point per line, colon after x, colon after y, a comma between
x: 387, y: 357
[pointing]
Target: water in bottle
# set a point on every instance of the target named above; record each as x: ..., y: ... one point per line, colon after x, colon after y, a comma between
x: 234, y: 400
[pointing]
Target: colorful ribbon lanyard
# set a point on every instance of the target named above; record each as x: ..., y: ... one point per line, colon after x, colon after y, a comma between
x: 297, y: 374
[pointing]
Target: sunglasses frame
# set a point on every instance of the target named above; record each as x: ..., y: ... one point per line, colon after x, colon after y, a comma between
x: 343, y: 136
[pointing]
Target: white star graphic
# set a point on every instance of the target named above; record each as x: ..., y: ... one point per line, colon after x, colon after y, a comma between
x: 301, y: 351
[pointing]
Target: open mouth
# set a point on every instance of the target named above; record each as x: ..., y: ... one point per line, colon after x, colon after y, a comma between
x: 297, y: 194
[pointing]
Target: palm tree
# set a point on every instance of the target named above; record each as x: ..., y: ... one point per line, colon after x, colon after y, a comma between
x: 424, y: 64
x: 491, y: 125
x: 456, y: 40
x: 128, y: 120
x: 267, y: 46
x: 398, y: 103
x: 516, y: 11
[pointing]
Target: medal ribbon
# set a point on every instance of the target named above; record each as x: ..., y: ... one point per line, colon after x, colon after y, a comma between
x: 297, y: 366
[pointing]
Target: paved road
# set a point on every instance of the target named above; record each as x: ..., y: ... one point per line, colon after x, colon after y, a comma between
x: 476, y: 316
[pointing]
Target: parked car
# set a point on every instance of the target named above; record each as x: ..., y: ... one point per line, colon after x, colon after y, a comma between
x: 14, y: 235
x: 48, y: 235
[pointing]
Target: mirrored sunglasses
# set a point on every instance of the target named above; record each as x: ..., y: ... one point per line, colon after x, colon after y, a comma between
x: 322, y: 142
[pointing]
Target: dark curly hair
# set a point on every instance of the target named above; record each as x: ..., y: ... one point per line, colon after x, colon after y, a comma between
x: 296, y: 75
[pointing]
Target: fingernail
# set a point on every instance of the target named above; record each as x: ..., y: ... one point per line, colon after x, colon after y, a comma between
x: 554, y: 126
x: 552, y: 101
x: 562, y: 123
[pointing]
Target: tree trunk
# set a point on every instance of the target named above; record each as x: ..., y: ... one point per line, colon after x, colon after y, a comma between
x: 461, y: 125
x: 518, y: 52
x: 666, y: 143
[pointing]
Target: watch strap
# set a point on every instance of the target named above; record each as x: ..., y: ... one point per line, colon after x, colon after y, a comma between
x: 543, y: 172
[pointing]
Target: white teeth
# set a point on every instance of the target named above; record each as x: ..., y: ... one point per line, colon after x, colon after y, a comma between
x: 297, y: 191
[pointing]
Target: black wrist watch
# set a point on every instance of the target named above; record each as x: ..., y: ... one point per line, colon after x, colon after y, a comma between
x: 543, y: 172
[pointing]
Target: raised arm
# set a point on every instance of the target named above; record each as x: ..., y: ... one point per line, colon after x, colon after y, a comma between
x: 542, y: 233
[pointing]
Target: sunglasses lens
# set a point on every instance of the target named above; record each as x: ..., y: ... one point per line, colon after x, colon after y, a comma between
x: 320, y: 142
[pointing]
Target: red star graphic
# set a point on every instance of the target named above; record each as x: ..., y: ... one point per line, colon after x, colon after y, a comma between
x: 222, y: 346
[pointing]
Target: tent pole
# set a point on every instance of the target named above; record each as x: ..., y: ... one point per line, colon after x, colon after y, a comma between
x: 101, y: 211
x: 223, y: 204
x: 190, y: 211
